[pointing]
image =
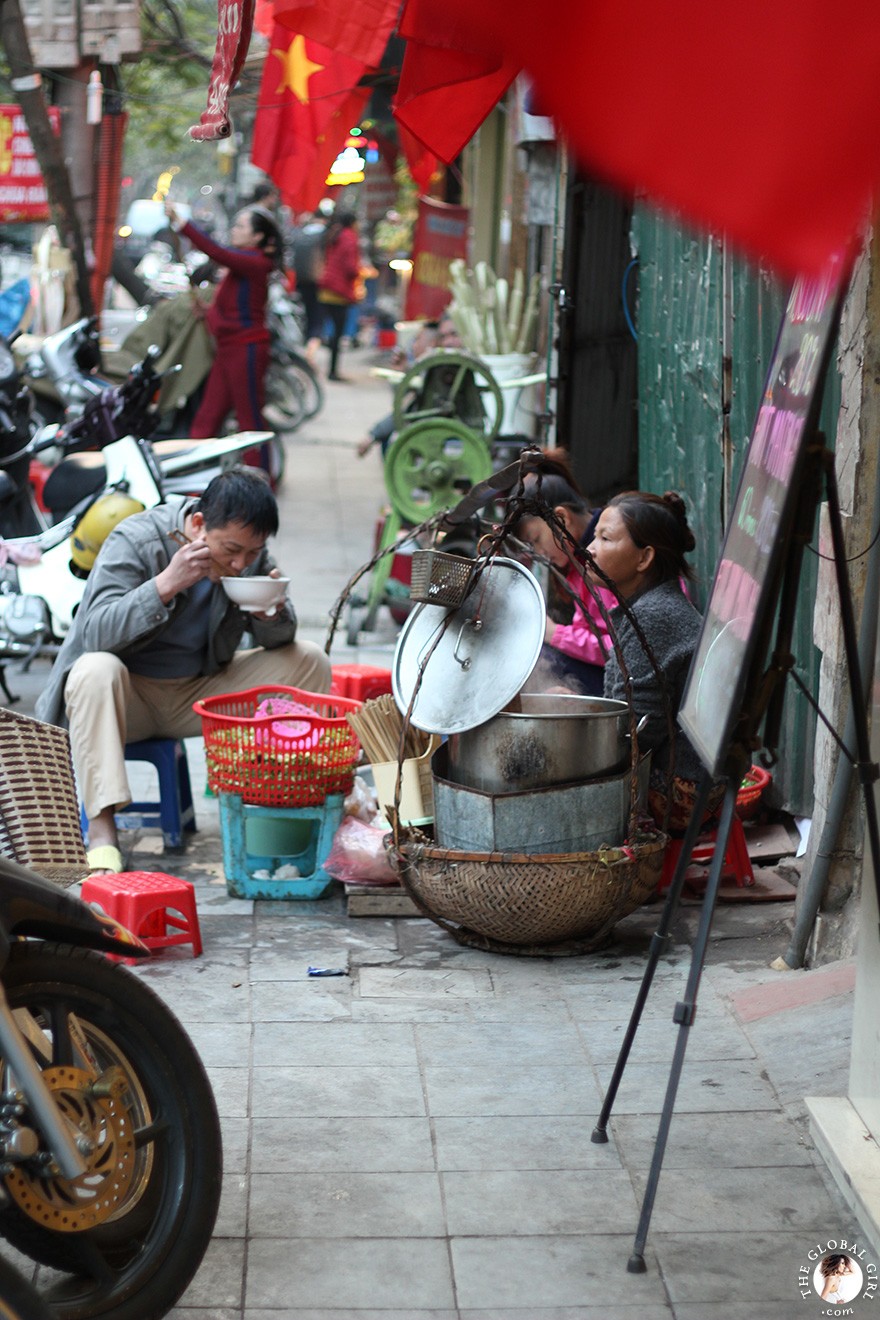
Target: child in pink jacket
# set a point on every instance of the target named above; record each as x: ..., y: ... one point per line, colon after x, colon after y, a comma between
x: 574, y: 654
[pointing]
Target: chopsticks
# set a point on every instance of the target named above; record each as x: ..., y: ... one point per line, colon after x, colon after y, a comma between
x: 378, y: 724
x: 182, y: 539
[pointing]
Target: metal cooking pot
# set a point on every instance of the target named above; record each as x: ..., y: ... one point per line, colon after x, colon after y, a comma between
x: 553, y: 738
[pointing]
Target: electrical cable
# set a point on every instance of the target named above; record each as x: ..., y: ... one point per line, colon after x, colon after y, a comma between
x: 624, y: 299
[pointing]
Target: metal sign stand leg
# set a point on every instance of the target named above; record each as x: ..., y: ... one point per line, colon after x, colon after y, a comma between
x: 685, y: 1011
x: 765, y: 701
x: 657, y: 948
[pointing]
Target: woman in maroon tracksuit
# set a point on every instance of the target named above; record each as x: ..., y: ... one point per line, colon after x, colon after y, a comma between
x: 237, y: 322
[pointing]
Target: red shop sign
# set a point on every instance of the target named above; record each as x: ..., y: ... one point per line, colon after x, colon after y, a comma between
x: 440, y: 236
x: 22, y: 190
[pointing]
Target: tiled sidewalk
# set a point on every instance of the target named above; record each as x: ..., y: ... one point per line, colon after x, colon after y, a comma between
x: 411, y: 1141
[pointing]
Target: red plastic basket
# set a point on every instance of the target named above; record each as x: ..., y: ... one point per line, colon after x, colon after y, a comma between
x: 279, y: 760
x: 748, y: 799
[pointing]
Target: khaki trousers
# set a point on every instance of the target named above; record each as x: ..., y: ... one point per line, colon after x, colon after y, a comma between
x: 108, y: 707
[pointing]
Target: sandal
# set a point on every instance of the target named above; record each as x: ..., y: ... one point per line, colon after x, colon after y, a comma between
x: 106, y: 857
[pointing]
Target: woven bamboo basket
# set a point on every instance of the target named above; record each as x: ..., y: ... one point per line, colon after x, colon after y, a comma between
x: 39, y: 814
x: 530, y: 904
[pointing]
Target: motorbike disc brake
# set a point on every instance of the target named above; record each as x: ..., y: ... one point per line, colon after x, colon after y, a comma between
x: 66, y: 1206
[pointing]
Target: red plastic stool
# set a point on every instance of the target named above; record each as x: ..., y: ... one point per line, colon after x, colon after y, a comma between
x: 360, y: 682
x: 159, y: 909
x: 737, y: 863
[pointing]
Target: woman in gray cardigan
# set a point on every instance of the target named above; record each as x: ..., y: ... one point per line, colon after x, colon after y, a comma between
x: 640, y: 543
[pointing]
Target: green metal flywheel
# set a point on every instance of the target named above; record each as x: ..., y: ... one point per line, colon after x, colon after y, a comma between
x: 432, y: 465
x: 450, y: 384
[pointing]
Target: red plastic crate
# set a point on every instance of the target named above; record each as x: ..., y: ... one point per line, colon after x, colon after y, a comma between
x: 279, y: 760
x: 360, y: 682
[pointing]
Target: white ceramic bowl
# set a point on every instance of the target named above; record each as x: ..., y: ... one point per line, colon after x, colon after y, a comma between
x: 255, y: 593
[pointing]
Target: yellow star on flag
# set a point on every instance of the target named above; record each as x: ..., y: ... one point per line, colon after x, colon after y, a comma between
x: 297, y: 69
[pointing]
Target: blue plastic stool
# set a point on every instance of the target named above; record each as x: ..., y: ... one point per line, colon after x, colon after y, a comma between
x: 173, y: 813
x: 321, y: 823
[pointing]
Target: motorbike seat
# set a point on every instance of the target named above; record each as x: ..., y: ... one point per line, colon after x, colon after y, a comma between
x: 74, y: 479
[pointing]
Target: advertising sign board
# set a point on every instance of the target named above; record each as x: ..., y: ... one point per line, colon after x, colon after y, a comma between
x: 741, y: 607
x: 22, y: 190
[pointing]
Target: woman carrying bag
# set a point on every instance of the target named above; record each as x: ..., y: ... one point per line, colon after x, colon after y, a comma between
x: 338, y: 289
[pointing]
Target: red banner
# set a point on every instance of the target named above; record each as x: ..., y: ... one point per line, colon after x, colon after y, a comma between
x: 782, y: 156
x: 22, y: 190
x: 235, y: 22
x: 440, y: 236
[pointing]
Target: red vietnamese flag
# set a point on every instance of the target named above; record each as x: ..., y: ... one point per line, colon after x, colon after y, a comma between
x: 308, y: 101
x: 447, y: 84
x: 264, y: 18
x: 421, y: 163
x: 357, y: 28
x: 758, y: 120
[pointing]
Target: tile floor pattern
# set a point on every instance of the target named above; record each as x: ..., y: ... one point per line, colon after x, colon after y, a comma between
x: 411, y: 1140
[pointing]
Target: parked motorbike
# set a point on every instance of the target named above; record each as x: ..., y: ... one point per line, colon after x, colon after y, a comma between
x: 65, y: 372
x: 110, y: 1148
x: 67, y: 359
x: 19, y: 1300
x: 293, y: 387
x: 21, y: 515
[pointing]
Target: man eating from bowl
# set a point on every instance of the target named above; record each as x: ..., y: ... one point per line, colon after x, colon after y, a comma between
x: 156, y: 631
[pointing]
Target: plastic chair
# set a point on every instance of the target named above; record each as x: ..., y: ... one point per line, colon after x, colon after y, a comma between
x: 173, y: 813
x: 737, y: 863
x: 159, y: 909
x: 360, y: 682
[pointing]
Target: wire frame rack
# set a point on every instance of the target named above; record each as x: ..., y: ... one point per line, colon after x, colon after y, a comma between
x: 39, y: 814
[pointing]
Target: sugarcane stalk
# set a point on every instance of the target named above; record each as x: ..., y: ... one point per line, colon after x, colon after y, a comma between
x: 501, y: 334
x: 529, y: 316
x: 475, y: 334
x: 514, y: 310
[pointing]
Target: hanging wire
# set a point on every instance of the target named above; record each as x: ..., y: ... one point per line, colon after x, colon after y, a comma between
x: 52, y: 75
x: 624, y: 296
x: 850, y: 559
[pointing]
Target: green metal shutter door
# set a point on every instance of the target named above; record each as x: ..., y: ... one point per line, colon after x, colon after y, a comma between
x: 681, y: 424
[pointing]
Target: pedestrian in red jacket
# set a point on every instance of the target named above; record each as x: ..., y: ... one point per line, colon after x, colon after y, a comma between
x: 237, y: 322
x: 338, y: 283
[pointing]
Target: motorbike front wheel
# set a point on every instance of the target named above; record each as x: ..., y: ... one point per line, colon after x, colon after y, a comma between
x: 128, y: 1236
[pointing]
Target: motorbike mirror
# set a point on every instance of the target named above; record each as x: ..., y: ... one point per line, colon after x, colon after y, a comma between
x: 45, y: 438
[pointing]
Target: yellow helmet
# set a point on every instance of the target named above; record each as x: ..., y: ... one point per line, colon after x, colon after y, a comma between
x: 95, y: 526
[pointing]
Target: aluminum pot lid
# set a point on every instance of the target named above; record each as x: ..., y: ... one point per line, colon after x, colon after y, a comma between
x: 484, y: 652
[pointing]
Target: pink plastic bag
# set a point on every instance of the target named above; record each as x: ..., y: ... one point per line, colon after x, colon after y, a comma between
x: 304, y: 731
x: 358, y: 855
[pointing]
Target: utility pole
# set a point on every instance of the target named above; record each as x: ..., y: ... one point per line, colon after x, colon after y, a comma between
x: 28, y: 88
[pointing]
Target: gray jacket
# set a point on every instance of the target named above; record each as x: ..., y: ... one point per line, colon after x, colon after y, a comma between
x: 121, y: 611
x: 671, y: 626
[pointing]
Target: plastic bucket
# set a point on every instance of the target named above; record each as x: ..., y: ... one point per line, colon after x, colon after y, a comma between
x: 520, y: 405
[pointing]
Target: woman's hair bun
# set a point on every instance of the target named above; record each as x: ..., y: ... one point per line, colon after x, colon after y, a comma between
x: 676, y: 505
